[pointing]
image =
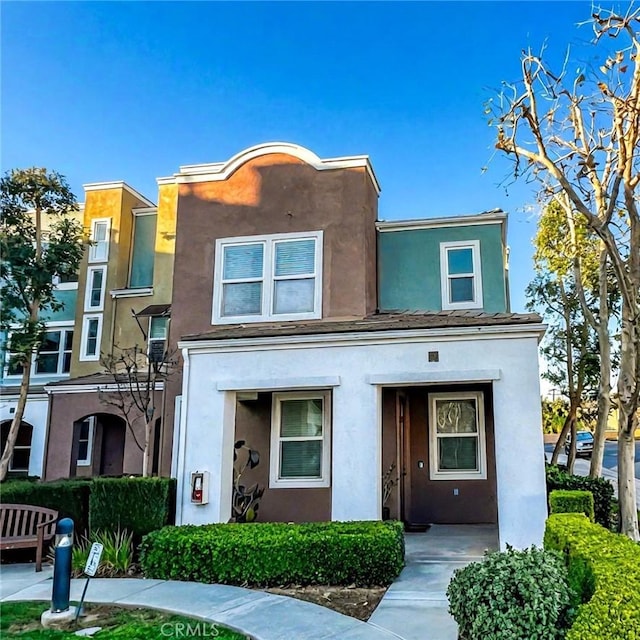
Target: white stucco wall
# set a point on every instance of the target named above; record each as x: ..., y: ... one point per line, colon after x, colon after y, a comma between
x: 36, y: 413
x: 356, y: 369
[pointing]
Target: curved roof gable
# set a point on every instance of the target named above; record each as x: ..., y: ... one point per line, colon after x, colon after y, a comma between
x: 222, y: 170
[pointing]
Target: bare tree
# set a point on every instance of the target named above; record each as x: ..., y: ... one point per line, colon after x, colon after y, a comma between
x: 137, y: 377
x: 578, y: 137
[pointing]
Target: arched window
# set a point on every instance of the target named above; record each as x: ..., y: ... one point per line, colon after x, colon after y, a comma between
x: 22, y: 450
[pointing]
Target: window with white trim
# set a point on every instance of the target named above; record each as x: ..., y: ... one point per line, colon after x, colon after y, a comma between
x: 460, y: 275
x: 53, y: 356
x: 275, y: 277
x: 91, y: 336
x: 19, y: 462
x: 457, y: 446
x: 300, y: 440
x: 158, y: 326
x: 99, y: 249
x: 95, y: 288
x: 85, y: 441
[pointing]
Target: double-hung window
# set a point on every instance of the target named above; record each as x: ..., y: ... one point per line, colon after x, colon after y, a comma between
x: 276, y: 277
x: 457, y: 436
x: 95, y: 288
x: 460, y: 275
x: 85, y: 441
x: 91, y: 336
x: 300, y: 439
x: 99, y: 249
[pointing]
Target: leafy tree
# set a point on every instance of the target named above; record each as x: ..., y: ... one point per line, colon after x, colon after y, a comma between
x: 577, y: 135
x: 554, y: 413
x: 38, y: 241
x: 565, y: 248
x: 569, y: 349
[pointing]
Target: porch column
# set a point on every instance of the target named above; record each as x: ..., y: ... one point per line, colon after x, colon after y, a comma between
x: 356, y: 447
x: 522, y: 503
x: 207, y: 428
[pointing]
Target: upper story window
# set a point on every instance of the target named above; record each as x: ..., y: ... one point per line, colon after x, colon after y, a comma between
x: 143, y: 250
x: 95, y: 288
x: 91, y: 337
x: 275, y: 277
x: 460, y: 275
x: 99, y: 249
x: 53, y: 356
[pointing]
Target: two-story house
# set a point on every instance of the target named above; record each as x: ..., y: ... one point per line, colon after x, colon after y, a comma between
x: 346, y: 350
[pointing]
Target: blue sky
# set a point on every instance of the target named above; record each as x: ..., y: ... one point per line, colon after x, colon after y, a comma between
x: 130, y: 91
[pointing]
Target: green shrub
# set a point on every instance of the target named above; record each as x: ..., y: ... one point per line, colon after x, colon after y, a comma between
x: 511, y: 595
x: 117, y: 553
x: 604, y: 570
x: 601, y: 489
x: 139, y: 505
x: 564, y: 501
x: 263, y: 554
x: 69, y: 497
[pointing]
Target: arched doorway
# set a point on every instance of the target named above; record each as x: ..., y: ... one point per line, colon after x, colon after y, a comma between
x: 22, y: 450
x: 99, y: 442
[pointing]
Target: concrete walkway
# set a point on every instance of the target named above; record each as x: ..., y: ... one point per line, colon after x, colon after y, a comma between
x: 414, y: 607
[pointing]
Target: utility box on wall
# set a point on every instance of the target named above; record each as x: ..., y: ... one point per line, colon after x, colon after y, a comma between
x: 200, y: 487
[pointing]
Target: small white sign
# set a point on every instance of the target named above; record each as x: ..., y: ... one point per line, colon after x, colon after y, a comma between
x: 93, y: 561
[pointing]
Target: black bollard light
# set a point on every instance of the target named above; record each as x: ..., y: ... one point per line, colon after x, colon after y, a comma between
x: 63, y: 547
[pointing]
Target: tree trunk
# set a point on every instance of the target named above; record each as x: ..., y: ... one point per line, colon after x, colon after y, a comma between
x: 604, y: 401
x: 146, y: 455
x: 628, y: 421
x: 557, y: 450
x: 7, y: 454
x: 571, y: 458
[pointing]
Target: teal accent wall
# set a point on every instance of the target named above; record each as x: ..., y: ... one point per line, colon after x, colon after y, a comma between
x: 409, y: 267
x: 144, y: 245
x: 68, y: 297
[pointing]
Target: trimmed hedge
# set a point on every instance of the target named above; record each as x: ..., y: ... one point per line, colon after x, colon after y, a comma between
x: 601, y: 489
x: 69, y: 497
x: 139, y: 505
x: 604, y: 571
x: 267, y: 554
x: 511, y: 594
x: 563, y: 501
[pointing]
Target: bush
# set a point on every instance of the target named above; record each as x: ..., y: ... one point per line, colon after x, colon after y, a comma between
x: 601, y: 489
x: 69, y: 497
x: 604, y: 570
x: 117, y: 554
x: 563, y: 501
x: 265, y: 554
x: 139, y: 505
x: 511, y: 595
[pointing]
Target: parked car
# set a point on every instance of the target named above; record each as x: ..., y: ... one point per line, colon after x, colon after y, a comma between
x: 584, y: 444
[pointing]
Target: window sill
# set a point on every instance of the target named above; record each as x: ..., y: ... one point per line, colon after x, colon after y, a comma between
x: 299, y: 484
x: 131, y: 293
x: 476, y: 475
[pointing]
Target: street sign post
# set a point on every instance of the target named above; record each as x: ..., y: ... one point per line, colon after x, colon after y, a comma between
x: 93, y: 562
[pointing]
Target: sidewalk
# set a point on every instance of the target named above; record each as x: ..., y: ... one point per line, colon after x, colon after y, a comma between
x: 260, y: 615
x: 415, y: 606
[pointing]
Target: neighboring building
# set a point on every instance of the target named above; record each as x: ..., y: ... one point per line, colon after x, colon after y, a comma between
x: 124, y: 295
x: 341, y: 348
x: 338, y: 346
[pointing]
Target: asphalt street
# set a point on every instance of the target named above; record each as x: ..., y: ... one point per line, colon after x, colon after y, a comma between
x: 610, y: 459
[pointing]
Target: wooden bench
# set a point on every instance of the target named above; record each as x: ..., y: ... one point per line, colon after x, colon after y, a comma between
x: 23, y: 526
